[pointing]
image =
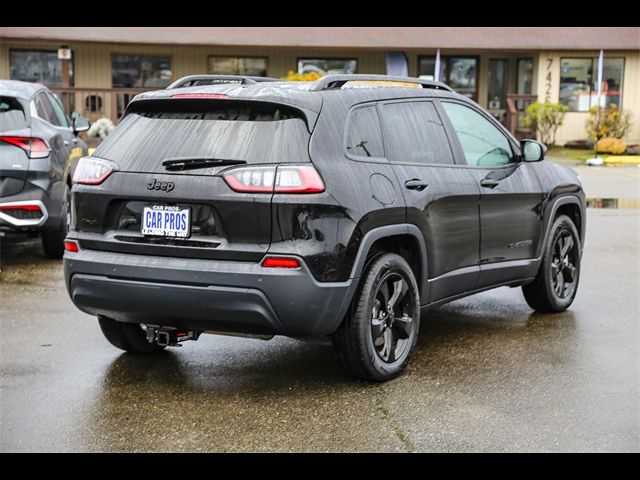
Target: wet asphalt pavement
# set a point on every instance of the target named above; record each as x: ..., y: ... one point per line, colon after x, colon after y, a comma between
x: 488, y: 374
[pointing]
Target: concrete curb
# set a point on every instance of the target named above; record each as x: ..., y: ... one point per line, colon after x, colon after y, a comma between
x: 622, y: 160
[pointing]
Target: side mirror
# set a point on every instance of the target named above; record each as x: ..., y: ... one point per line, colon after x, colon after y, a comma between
x: 532, y: 151
x: 80, y: 123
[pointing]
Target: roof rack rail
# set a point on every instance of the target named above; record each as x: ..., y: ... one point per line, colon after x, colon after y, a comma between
x: 194, y: 80
x: 331, y: 82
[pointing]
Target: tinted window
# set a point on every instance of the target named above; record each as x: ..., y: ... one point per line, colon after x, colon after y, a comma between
x: 483, y: 144
x: 58, y: 110
x: 364, y: 138
x: 256, y: 133
x: 415, y: 134
x: 11, y: 115
x: 45, y: 109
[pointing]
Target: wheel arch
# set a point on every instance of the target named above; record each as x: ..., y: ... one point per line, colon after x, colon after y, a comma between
x: 573, y: 207
x: 403, y: 239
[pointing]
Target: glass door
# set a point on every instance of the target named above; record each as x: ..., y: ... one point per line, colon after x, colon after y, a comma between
x: 497, y: 93
x: 524, y: 84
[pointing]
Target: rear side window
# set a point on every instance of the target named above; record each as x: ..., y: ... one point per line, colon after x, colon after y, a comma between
x: 230, y: 130
x: 11, y: 115
x: 414, y: 134
x: 364, y: 137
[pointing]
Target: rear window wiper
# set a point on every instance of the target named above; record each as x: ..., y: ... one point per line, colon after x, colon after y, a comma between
x: 192, y: 163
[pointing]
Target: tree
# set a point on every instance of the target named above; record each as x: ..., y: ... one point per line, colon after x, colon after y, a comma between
x: 545, y: 119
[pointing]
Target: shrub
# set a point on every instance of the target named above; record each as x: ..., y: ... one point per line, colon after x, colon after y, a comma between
x: 613, y: 123
x: 101, y: 128
x: 611, y: 145
x: 302, y: 77
x: 545, y: 119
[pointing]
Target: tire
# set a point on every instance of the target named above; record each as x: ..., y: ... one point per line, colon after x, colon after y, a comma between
x: 556, y: 283
x: 129, y: 337
x: 371, y: 344
x: 53, y: 239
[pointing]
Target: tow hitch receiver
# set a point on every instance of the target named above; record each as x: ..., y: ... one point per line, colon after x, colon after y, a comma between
x: 170, y: 337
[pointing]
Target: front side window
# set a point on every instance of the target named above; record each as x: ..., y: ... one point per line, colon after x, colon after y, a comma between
x: 135, y: 71
x: 58, y: 110
x: 414, y: 134
x: 578, y: 79
x: 251, y: 66
x: 364, y: 138
x: 38, y: 66
x: 483, y: 144
x: 45, y: 109
x: 327, y: 65
x: 460, y: 73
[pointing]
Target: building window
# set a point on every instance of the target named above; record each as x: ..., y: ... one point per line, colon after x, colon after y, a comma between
x: 327, y: 65
x: 460, y: 73
x: 38, y: 66
x: 129, y: 71
x: 251, y: 66
x: 578, y: 78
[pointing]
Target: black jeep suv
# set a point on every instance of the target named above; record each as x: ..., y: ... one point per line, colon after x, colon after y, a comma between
x: 344, y: 207
x: 39, y: 149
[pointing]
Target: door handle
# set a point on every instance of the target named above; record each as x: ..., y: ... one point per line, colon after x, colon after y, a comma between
x: 416, y: 184
x: 489, y: 183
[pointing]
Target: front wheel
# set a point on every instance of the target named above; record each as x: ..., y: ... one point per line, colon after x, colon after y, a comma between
x: 380, y: 331
x: 556, y: 283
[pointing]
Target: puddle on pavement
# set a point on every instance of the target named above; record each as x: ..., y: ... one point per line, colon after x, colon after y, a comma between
x: 613, y: 202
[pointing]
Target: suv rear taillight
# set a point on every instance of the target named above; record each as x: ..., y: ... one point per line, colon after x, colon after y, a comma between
x: 277, y: 179
x: 34, y: 147
x: 93, y: 171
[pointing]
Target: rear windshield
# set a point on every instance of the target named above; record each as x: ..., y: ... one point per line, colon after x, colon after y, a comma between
x: 11, y: 114
x: 254, y: 133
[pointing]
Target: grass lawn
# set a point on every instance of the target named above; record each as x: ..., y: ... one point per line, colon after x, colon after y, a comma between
x: 574, y: 156
x: 570, y: 153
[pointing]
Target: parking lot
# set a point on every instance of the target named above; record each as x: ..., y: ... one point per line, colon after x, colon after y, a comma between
x: 488, y: 374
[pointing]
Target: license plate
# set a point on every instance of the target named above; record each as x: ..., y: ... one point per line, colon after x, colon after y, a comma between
x: 166, y: 221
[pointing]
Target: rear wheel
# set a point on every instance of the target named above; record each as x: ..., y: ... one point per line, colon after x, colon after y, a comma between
x: 378, y: 335
x: 556, y: 284
x: 127, y: 336
x: 53, y: 239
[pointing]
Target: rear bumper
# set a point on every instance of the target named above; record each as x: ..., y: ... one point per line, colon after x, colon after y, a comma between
x: 9, y: 218
x: 30, y: 195
x: 205, y: 294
